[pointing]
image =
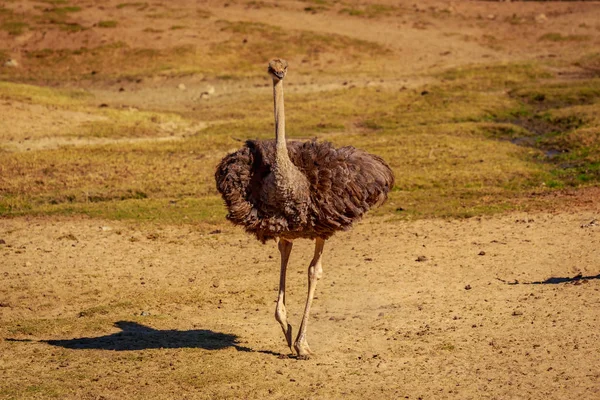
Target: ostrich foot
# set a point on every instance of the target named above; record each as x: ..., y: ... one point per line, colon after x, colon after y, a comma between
x: 304, y: 352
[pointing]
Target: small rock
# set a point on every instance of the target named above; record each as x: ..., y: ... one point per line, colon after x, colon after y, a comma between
x: 468, y: 287
x: 2, y: 241
x: 68, y: 236
x: 368, y: 259
x: 481, y: 253
x: 215, y: 232
x: 121, y: 89
x: 421, y: 259
x: 144, y: 313
x: 541, y: 18
x: 106, y: 228
x: 424, y: 93
x: 181, y: 86
x: 28, y: 264
x: 12, y: 63
x: 491, y: 16
x: 593, y: 222
x: 517, y: 313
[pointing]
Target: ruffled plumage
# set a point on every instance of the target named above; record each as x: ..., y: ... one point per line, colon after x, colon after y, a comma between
x: 344, y: 184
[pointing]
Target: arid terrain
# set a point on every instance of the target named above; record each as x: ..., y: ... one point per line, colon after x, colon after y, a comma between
x: 478, y: 279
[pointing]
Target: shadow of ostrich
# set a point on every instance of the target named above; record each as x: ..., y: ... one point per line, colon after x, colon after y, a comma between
x: 135, y: 336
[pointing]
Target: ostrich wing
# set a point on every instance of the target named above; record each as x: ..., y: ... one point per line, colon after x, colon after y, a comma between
x: 345, y: 183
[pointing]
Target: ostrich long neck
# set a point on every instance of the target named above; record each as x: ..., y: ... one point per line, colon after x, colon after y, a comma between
x: 282, y: 157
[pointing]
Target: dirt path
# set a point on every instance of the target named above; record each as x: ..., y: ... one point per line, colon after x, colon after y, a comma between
x: 197, y: 309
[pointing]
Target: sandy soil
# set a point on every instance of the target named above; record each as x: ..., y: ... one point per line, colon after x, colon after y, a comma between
x: 503, y: 307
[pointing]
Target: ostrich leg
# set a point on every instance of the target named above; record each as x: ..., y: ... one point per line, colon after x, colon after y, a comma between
x: 315, y: 271
x: 285, y: 248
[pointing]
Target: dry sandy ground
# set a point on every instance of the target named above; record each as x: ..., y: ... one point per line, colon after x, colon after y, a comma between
x: 485, y: 315
x: 93, y: 309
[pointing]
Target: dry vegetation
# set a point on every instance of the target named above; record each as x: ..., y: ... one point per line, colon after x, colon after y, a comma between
x: 109, y: 137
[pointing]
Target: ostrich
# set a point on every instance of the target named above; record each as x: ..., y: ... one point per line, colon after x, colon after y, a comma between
x: 291, y: 190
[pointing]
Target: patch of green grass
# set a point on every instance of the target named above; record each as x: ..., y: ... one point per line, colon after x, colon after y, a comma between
x: 111, y: 60
x: 131, y: 124
x: 41, y: 95
x: 105, y: 309
x: 352, y: 11
x: 455, y: 147
x: 43, y: 390
x: 64, y: 10
x: 590, y: 62
x: 139, y: 181
x: 177, y: 27
x: 71, y: 27
x: 561, y: 121
x: 54, y: 2
x: 107, y: 24
x: 35, y: 327
x: 447, y: 347
x: 486, y: 77
x: 370, y: 11
x: 137, y: 5
x: 559, y: 37
x: 58, y: 16
x: 315, y: 9
x: 14, y: 28
x: 561, y: 94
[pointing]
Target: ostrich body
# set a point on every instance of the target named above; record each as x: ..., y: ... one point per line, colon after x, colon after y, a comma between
x: 290, y: 190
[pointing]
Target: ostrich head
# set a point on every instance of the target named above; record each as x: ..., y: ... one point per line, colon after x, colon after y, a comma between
x: 277, y: 68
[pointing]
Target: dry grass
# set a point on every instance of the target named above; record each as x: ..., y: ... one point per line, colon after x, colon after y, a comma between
x: 442, y: 142
x: 243, y: 47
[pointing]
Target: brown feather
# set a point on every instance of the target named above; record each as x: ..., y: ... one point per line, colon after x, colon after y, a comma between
x: 344, y: 184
